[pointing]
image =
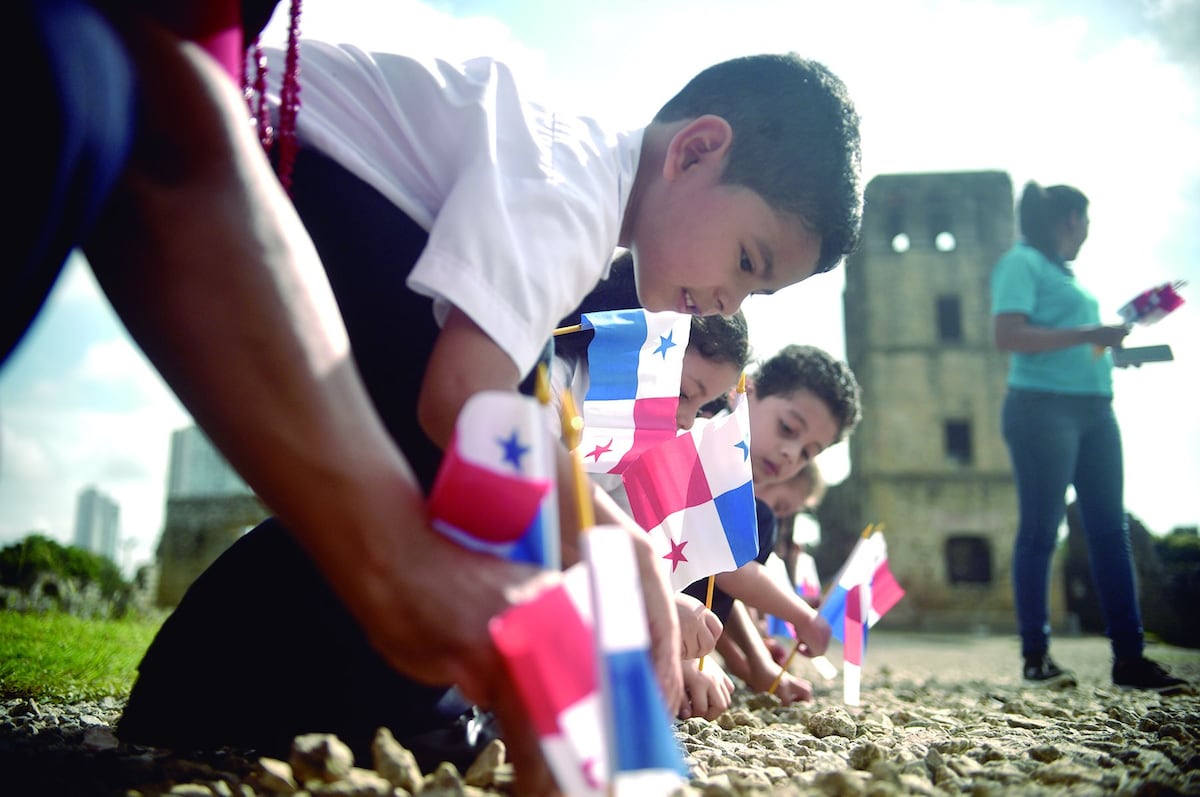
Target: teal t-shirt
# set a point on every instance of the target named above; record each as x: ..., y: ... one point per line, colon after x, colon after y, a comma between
x: 1025, y: 281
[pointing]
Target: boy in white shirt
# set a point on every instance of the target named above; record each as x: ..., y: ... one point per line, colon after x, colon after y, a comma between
x: 457, y: 223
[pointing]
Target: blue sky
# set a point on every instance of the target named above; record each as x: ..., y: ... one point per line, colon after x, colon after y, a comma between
x: 1101, y: 94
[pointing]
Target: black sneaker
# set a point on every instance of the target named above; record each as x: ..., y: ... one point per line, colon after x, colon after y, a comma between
x: 1042, y: 670
x: 1144, y: 673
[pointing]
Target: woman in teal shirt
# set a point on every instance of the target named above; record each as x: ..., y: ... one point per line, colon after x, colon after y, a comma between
x: 1060, y: 429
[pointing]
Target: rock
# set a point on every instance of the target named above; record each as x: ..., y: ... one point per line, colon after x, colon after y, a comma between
x: 320, y: 756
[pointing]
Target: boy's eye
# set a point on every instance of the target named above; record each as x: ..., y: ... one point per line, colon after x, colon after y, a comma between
x: 744, y: 264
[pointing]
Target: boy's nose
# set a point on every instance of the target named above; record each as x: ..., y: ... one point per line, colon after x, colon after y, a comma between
x: 729, y: 301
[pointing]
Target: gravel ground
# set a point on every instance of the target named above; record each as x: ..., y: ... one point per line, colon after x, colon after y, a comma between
x: 940, y: 715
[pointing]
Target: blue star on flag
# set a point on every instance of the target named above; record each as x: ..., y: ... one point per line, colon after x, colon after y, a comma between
x: 745, y: 449
x: 665, y: 342
x: 513, y: 450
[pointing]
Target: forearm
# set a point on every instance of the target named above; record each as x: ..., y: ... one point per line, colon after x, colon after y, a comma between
x: 213, y: 274
x: 1013, y: 332
x: 752, y: 584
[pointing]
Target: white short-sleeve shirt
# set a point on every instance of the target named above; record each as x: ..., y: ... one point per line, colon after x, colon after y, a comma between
x: 523, y: 205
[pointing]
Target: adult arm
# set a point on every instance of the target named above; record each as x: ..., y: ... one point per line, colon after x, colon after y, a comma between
x: 1012, y: 332
x: 211, y: 271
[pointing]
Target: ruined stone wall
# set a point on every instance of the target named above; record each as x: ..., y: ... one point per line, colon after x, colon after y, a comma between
x: 197, y: 531
x: 928, y: 459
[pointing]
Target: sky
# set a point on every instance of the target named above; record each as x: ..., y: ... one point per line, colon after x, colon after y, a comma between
x: 1100, y: 94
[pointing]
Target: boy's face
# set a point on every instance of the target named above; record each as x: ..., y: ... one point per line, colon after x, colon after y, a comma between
x: 701, y: 246
x: 786, y: 432
x: 702, y: 381
x: 785, y: 498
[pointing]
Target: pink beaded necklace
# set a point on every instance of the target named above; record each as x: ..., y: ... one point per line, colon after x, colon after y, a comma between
x: 255, y: 91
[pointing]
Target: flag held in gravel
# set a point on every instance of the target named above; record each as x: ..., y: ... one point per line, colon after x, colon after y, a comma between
x: 600, y: 716
x: 694, y: 495
x: 635, y: 363
x: 644, y: 753
x: 494, y: 475
x: 862, y: 593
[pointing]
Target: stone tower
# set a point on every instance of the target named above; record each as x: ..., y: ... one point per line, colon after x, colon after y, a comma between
x: 928, y: 460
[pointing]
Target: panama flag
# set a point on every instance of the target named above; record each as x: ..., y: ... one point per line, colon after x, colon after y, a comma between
x: 579, y: 656
x: 635, y: 363
x: 694, y: 495
x: 496, y: 474
x: 862, y: 593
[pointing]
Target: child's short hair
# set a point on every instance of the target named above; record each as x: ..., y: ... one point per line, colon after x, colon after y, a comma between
x: 797, y: 367
x: 722, y: 339
x: 795, y: 140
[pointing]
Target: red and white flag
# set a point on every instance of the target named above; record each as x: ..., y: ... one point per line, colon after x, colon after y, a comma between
x: 579, y: 655
x: 694, y: 495
x: 496, y: 473
x: 862, y: 593
x: 635, y: 364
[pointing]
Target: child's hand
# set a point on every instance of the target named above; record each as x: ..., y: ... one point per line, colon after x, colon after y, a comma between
x: 791, y: 689
x: 708, y: 692
x: 814, y: 633
x: 699, y: 628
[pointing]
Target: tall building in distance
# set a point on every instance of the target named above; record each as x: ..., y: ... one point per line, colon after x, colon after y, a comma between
x: 197, y: 470
x: 97, y: 523
x: 929, y: 461
x: 208, y: 508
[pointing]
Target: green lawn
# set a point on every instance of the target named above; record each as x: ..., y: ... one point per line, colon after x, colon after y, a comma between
x: 57, y: 657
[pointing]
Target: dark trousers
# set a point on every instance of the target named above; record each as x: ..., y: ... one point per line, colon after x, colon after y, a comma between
x: 1057, y: 440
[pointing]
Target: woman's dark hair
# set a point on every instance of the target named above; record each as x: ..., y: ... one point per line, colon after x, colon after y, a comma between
x: 1043, y: 210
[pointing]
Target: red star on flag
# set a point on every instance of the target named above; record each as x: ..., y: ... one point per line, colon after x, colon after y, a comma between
x: 676, y: 554
x: 600, y: 450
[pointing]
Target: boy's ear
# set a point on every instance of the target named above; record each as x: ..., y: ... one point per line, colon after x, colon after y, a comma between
x: 704, y: 140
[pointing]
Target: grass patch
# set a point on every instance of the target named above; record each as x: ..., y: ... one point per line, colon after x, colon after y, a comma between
x: 61, y: 658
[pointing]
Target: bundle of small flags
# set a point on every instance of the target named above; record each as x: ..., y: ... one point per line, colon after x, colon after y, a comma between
x: 1151, y: 306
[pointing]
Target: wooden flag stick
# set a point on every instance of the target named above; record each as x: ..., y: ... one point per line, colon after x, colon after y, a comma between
x: 568, y: 330
x: 712, y: 581
x: 572, y: 429
x: 783, y: 669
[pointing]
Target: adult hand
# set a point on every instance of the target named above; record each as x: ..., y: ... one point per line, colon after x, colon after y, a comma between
x: 699, y: 628
x: 1108, y: 336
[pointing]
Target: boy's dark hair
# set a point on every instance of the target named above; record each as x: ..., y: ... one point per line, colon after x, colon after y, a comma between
x: 796, y: 367
x: 721, y: 339
x: 795, y: 140
x: 1043, y: 210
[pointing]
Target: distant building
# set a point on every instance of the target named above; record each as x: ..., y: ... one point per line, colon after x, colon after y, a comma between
x: 928, y: 460
x: 197, y: 470
x: 208, y: 508
x: 97, y: 523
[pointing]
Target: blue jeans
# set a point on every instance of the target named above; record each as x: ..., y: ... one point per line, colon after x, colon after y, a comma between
x: 1056, y: 440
